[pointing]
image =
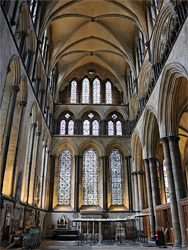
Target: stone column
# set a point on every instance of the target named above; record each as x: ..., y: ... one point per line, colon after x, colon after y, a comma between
x: 135, y: 181
x: 6, y: 140
x: 33, y: 126
x: 35, y: 165
x: 100, y: 234
x: 53, y: 157
x: 178, y: 181
x: 42, y: 174
x: 104, y: 130
x: 154, y: 187
x: 173, y: 201
x: 23, y: 104
x: 76, y: 187
x: 81, y: 228
x: 87, y: 227
x: 140, y: 189
x: 149, y: 194
x: 129, y: 183
x: 45, y: 178
x: 104, y: 163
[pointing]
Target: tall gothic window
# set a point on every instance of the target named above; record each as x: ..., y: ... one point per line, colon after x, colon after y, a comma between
x: 85, y: 90
x: 116, y: 177
x: 90, y: 195
x: 166, y: 182
x: 118, y: 128
x: 86, y: 127
x: 71, y: 127
x: 62, y: 127
x: 96, y: 91
x: 108, y: 92
x: 64, y: 180
x: 95, y: 127
x: 73, y: 91
x: 110, y: 128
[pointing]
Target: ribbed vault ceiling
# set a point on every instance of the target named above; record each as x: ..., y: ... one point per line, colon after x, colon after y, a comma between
x: 103, y: 32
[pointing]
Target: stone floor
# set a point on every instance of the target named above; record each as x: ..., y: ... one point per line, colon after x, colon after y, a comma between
x: 70, y: 245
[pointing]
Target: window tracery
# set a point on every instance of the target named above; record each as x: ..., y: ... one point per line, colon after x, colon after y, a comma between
x: 116, y: 177
x: 64, y: 180
x: 90, y: 177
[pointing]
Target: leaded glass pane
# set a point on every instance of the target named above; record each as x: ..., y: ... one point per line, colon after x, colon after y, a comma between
x: 96, y: 91
x: 166, y: 182
x: 73, y: 91
x: 62, y: 127
x: 71, y: 127
x: 118, y: 128
x: 91, y: 115
x: 110, y: 128
x: 114, y: 116
x: 90, y: 177
x: 67, y: 115
x: 86, y: 127
x: 108, y: 93
x: 95, y: 127
x: 64, y: 180
x: 85, y: 90
x: 116, y: 177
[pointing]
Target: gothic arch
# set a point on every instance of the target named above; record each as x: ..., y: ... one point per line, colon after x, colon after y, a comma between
x: 94, y: 144
x: 171, y: 73
x: 150, y: 133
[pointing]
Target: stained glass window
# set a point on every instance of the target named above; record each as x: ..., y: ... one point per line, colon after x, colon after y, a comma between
x: 91, y: 115
x: 116, y: 177
x: 166, y: 182
x: 71, y: 127
x: 95, y: 127
x: 114, y: 116
x: 85, y: 90
x: 67, y: 115
x: 64, y: 180
x: 73, y: 91
x: 108, y: 93
x: 62, y: 127
x: 90, y: 177
x: 118, y: 128
x: 86, y: 127
x: 96, y: 91
x: 110, y: 128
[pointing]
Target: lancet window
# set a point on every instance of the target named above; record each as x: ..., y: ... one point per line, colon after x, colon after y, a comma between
x: 67, y: 124
x: 90, y: 176
x: 114, y: 125
x: 116, y: 177
x: 64, y: 180
x: 85, y: 90
x: 96, y: 91
x: 108, y: 92
x: 73, y: 91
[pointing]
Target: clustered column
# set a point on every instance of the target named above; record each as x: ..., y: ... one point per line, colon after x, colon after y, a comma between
x: 179, y: 182
x: 76, y: 188
x: 172, y: 193
x: 150, y: 203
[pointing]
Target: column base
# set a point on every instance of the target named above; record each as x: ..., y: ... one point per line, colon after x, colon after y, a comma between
x: 183, y: 245
x: 177, y: 245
